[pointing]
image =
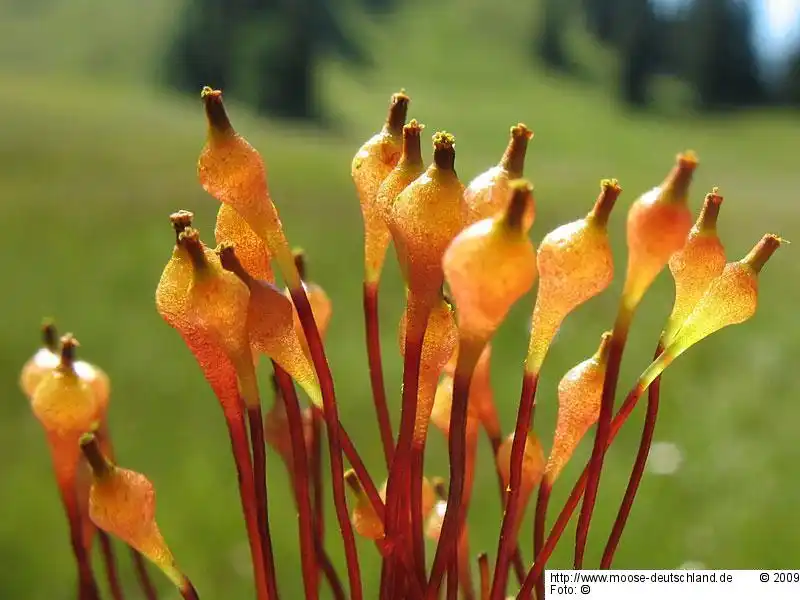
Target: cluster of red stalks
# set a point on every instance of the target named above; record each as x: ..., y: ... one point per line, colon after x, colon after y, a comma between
x: 466, y: 257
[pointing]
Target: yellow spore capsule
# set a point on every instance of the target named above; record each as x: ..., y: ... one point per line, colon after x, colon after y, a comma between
x: 730, y: 299
x: 373, y: 162
x: 364, y: 518
x: 579, y: 395
x: 233, y: 172
x: 123, y: 503
x: 490, y: 265
x: 441, y: 338
x: 425, y: 218
x: 658, y: 223
x: 271, y: 324
x: 407, y: 170
x: 575, y: 264
x: 251, y: 250
x: 694, y: 266
x: 489, y: 192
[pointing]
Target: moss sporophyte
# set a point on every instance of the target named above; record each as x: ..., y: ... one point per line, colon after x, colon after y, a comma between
x: 466, y: 257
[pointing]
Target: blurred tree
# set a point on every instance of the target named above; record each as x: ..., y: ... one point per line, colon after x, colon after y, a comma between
x: 720, y: 60
x: 641, y: 53
x: 550, y: 45
x: 600, y: 18
x: 266, y: 50
x: 791, y: 82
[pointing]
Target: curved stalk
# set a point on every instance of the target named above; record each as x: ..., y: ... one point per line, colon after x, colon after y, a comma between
x: 139, y: 565
x: 111, y: 566
x: 372, y: 323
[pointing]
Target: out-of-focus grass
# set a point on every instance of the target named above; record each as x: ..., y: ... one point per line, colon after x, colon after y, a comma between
x: 90, y: 169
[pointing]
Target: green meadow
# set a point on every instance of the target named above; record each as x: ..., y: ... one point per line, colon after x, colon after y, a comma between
x: 94, y: 157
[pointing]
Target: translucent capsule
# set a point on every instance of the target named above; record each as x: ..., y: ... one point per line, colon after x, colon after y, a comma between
x: 489, y: 192
x: 658, y: 223
x: 251, y: 250
x: 575, y: 264
x: 425, y: 218
x: 271, y: 325
x: 490, y: 265
x: 579, y: 395
x: 441, y: 338
x: 407, y: 170
x: 731, y: 298
x: 694, y: 266
x: 123, y: 503
x: 233, y: 172
x: 365, y: 520
x: 373, y: 162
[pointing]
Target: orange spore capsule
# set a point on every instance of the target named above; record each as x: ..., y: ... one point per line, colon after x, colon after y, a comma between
x: 365, y: 520
x: 575, y: 264
x: 373, y: 162
x: 251, y: 250
x: 233, y: 172
x: 123, y: 503
x: 270, y: 322
x: 694, y: 266
x: 407, y: 170
x: 441, y: 339
x: 579, y: 395
x: 321, y: 306
x: 425, y: 218
x: 490, y: 265
x: 489, y: 192
x: 658, y: 223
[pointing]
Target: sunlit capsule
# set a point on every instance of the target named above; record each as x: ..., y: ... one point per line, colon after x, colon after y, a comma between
x: 694, y: 266
x: 271, y: 324
x: 233, y: 172
x: 251, y: 250
x: 373, y: 162
x: 425, y: 218
x: 365, y: 520
x: 489, y: 192
x: 579, y: 395
x: 575, y: 264
x: 490, y: 265
x: 123, y: 503
x: 658, y: 223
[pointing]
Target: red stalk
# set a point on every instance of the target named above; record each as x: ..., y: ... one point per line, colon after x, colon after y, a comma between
x: 145, y: 582
x: 619, y: 337
x: 372, y: 323
x: 256, y: 422
x: 417, y: 520
x: 539, y: 524
x: 511, y: 515
x: 111, y: 565
x: 316, y: 473
x: 187, y: 591
x: 452, y: 579
x: 300, y: 479
x: 483, y: 569
x: 329, y: 572
x: 361, y: 472
x: 330, y: 412
x: 574, y: 498
x: 454, y: 516
x: 516, y: 557
x: 397, y: 507
x: 653, y: 399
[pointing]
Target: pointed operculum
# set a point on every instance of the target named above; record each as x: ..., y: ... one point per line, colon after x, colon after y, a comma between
x: 398, y: 110
x: 762, y: 251
x: 412, y: 150
x: 519, y: 206
x: 219, y: 125
x: 675, y: 188
x: 707, y: 221
x: 609, y: 192
x: 444, y: 151
x: 513, y: 159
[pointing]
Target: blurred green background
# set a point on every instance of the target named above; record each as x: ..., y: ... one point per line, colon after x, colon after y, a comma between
x: 96, y: 151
